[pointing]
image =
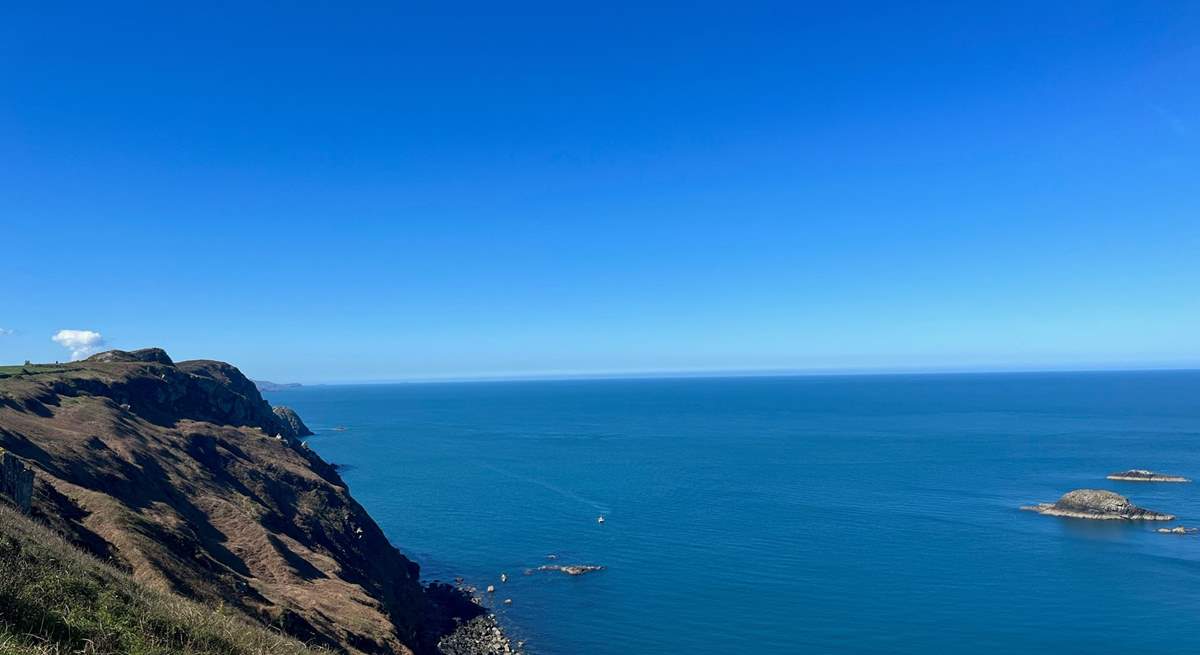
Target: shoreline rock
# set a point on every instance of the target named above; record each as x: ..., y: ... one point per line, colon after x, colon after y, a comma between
x: 1178, y: 530
x: 481, y: 635
x: 1097, y: 504
x: 1142, y: 475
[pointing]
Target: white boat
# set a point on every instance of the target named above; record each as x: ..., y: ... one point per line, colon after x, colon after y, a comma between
x: 600, y: 519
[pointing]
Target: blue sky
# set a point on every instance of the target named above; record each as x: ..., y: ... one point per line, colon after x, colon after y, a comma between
x: 387, y: 191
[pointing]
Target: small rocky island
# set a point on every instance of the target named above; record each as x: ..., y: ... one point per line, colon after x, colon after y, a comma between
x: 1097, y: 504
x: 571, y: 569
x: 1178, y: 530
x: 1142, y: 475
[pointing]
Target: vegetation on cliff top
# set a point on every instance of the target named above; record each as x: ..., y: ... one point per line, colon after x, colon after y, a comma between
x: 55, y: 598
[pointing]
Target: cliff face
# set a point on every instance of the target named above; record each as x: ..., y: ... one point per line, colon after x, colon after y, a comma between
x: 182, y: 474
x: 200, y: 390
x: 291, y: 420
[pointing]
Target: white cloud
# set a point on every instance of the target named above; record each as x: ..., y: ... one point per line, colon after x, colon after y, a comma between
x: 4, y: 332
x: 81, y: 343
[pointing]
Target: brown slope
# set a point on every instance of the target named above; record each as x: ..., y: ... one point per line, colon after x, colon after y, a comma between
x: 176, y: 473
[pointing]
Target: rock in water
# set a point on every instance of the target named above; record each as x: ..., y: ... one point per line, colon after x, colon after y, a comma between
x: 1178, y: 530
x: 1097, y: 504
x: 571, y: 569
x: 1142, y: 475
x: 479, y: 636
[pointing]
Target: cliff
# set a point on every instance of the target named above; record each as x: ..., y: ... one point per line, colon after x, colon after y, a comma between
x: 183, y: 476
x: 291, y: 421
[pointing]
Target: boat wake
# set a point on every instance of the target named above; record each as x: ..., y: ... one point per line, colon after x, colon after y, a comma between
x: 565, y: 493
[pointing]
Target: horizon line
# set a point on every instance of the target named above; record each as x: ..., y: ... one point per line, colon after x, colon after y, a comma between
x: 676, y: 374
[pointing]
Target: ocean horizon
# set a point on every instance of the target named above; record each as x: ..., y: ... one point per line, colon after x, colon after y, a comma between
x: 705, y: 373
x: 786, y: 514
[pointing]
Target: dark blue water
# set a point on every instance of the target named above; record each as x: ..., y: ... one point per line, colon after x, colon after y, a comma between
x: 789, y: 515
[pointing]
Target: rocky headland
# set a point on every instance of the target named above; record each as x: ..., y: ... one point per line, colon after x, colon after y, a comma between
x: 1142, y: 475
x: 268, y: 386
x: 180, y: 474
x: 1097, y: 504
x: 292, y: 420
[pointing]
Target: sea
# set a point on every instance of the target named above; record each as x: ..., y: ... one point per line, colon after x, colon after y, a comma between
x: 839, y: 514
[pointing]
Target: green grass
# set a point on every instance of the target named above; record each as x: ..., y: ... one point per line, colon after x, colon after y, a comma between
x: 31, y: 369
x: 58, y: 600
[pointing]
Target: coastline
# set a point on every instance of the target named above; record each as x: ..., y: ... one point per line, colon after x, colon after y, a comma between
x: 247, y: 515
x: 482, y: 635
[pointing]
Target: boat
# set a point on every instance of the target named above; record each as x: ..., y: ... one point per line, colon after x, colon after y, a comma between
x: 600, y: 519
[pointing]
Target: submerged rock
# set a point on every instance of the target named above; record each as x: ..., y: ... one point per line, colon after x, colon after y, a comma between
x: 1097, y: 504
x: 1142, y: 475
x: 571, y: 569
x: 1178, y: 530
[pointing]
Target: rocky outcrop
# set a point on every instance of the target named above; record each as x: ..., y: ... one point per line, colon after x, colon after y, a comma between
x: 172, y: 471
x: 16, y: 481
x: 571, y: 569
x: 152, y: 355
x: 1097, y: 504
x: 289, y: 418
x: 159, y: 390
x: 1142, y: 475
x: 1178, y: 530
x: 479, y: 636
x: 218, y: 391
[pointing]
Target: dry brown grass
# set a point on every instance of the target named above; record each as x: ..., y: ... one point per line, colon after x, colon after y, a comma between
x: 58, y: 600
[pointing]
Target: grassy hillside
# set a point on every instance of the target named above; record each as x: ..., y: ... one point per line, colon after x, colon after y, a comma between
x: 32, y: 369
x: 55, y: 599
x: 171, y: 471
x: 181, y: 474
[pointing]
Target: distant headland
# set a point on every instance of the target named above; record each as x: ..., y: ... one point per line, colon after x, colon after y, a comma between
x: 267, y: 386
